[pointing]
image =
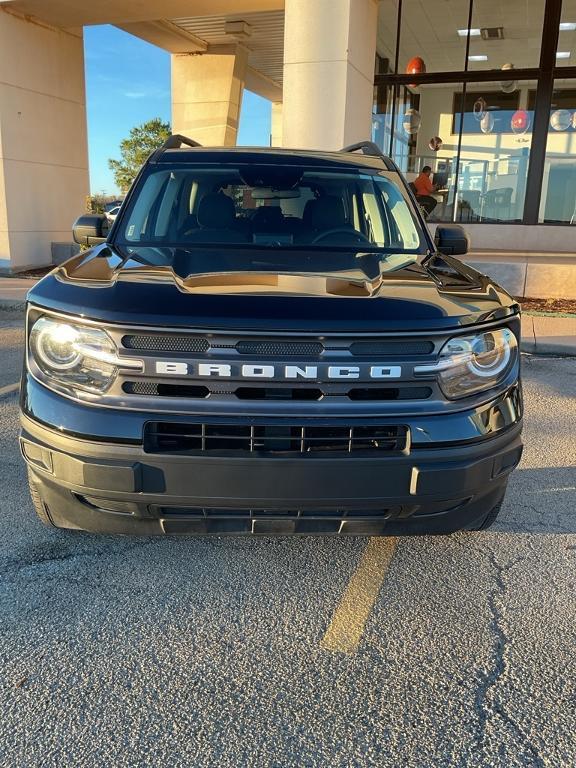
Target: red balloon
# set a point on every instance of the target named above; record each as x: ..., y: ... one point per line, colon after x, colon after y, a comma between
x: 520, y: 121
x: 415, y: 66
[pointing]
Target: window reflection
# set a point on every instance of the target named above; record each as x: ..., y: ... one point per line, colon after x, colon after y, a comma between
x: 558, y: 200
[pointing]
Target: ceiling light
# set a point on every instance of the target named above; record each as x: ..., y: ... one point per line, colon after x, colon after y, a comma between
x: 567, y: 26
x: 478, y: 57
x: 563, y: 54
x: 473, y: 32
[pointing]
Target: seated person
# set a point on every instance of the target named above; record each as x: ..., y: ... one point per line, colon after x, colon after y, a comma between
x: 424, y: 188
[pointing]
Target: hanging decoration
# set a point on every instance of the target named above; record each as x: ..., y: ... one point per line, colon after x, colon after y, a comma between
x: 415, y: 66
x: 508, y: 86
x: 411, y: 121
x: 479, y: 108
x: 520, y: 121
x: 561, y: 120
x: 435, y: 143
x: 487, y: 123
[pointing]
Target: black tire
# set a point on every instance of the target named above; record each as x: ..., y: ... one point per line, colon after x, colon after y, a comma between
x: 38, y: 504
x: 490, y: 517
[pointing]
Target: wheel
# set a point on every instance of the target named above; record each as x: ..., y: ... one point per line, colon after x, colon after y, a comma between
x: 490, y: 517
x: 39, y: 506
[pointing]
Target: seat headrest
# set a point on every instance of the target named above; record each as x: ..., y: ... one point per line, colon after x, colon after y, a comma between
x: 216, y: 211
x: 328, y: 213
x: 308, y: 211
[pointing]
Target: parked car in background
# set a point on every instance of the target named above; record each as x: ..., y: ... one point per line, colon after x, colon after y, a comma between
x: 111, y: 215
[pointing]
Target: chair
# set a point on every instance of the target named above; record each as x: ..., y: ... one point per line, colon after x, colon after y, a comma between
x: 497, y: 204
x: 469, y: 205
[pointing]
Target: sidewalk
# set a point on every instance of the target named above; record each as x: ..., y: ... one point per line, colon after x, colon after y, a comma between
x: 541, y: 334
x: 13, y: 290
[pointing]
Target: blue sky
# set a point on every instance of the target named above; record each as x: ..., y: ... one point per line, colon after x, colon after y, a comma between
x: 127, y: 83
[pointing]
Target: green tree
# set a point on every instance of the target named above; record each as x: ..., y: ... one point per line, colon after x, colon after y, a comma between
x: 134, y: 150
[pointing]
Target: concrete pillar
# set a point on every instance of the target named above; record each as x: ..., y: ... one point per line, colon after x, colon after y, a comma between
x: 207, y: 93
x: 43, y: 145
x: 276, y: 124
x: 329, y: 53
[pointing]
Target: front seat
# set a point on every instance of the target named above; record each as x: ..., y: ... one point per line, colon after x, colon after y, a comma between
x: 328, y: 214
x: 216, y: 221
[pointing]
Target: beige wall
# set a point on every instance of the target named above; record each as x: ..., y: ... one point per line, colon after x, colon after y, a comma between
x: 43, y: 145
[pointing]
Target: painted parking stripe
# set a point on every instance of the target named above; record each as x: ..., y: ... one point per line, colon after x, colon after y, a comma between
x: 9, y: 388
x: 350, y: 617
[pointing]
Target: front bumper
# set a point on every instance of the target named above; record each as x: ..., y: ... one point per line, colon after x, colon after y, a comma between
x: 108, y: 487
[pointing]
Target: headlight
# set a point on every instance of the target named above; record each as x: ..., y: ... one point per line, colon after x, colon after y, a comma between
x: 470, y: 364
x: 74, y: 357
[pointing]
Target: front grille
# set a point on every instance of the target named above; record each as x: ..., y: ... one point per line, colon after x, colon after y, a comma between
x: 194, y: 392
x: 166, y: 343
x: 178, y: 438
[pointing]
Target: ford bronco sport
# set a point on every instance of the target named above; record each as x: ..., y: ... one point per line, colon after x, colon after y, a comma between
x: 269, y: 341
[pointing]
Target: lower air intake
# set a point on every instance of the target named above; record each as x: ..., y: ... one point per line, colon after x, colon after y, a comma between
x: 178, y: 438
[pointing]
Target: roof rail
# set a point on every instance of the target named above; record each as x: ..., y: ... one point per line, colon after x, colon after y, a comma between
x: 367, y: 147
x: 176, y: 140
x: 172, y: 142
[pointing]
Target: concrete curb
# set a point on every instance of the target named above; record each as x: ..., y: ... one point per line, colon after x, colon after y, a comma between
x: 548, y: 335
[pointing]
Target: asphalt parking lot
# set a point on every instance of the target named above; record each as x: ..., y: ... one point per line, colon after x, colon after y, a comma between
x: 424, y: 652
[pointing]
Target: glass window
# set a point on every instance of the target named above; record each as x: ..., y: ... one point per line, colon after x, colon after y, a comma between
x: 506, y: 35
x: 494, y: 163
x: 558, y: 200
x: 424, y: 136
x: 382, y: 116
x: 429, y: 38
x: 566, y: 51
x: 486, y: 111
x: 274, y: 206
x: 386, y: 36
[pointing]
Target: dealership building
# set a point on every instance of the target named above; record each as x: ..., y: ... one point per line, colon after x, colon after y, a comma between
x: 484, y: 92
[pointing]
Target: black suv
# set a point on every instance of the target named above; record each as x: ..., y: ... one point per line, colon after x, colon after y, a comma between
x: 269, y: 341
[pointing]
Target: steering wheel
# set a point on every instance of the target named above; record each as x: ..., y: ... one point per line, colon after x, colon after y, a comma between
x: 340, y: 230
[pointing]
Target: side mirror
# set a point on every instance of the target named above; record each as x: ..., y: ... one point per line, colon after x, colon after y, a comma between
x: 451, y: 239
x: 91, y: 229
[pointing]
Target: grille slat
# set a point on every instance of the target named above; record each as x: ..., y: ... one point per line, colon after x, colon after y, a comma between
x: 168, y: 437
x: 392, y: 348
x: 280, y: 348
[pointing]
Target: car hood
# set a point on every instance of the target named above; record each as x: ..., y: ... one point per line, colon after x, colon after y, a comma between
x: 276, y: 290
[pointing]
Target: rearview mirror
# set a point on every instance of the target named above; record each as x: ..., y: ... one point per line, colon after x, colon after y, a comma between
x: 91, y: 229
x: 451, y: 240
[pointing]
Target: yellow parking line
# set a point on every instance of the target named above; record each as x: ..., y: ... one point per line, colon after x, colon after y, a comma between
x: 9, y: 388
x: 351, y: 615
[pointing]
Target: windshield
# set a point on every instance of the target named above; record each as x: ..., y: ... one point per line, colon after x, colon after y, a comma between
x: 271, y: 207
